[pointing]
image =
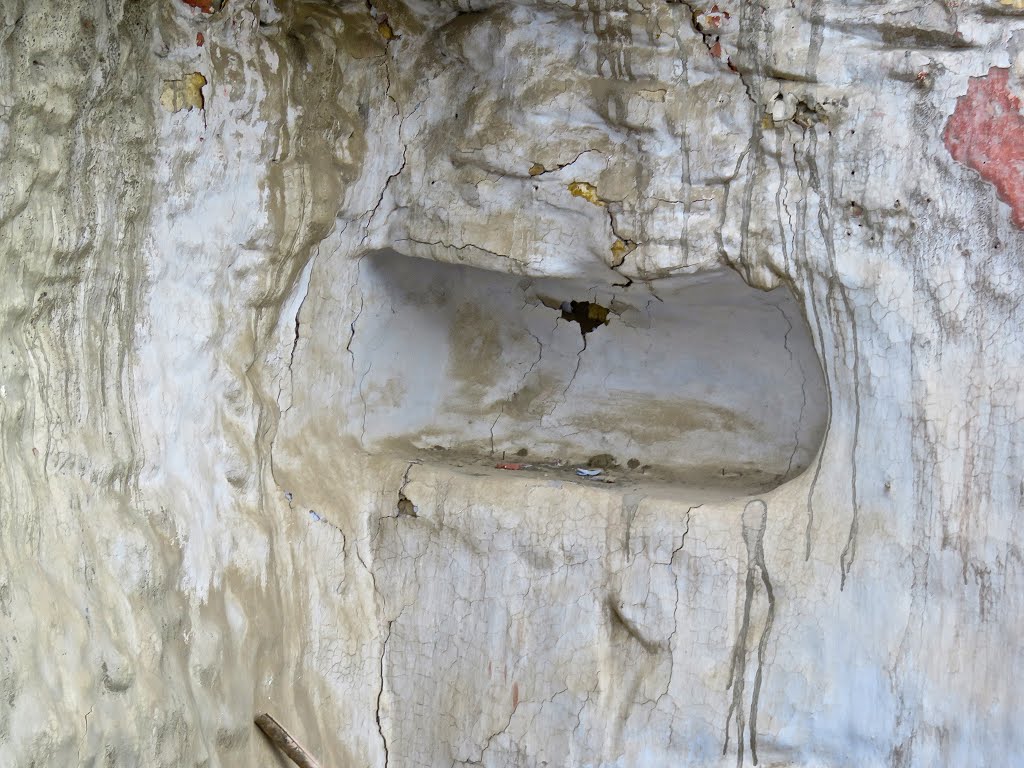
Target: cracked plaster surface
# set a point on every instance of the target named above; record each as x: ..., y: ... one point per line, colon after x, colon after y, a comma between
x: 185, y: 538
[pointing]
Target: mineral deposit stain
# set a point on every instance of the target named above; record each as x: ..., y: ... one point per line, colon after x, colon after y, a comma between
x: 755, y: 520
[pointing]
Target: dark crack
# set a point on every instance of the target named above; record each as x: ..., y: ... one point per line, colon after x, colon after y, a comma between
x: 453, y: 247
x: 622, y: 247
x: 675, y: 610
x: 405, y: 505
x: 800, y: 230
x: 384, y: 191
x: 576, y: 370
x: 291, y: 357
x: 825, y: 226
x: 803, y: 390
x: 522, y: 383
x: 559, y: 166
x: 85, y: 734
x: 380, y: 693
x: 295, y: 341
x: 352, y: 332
x: 401, y: 126
x: 359, y: 313
x: 492, y: 737
x: 362, y: 397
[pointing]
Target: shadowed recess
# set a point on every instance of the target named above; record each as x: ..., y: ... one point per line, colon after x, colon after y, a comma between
x: 702, y: 380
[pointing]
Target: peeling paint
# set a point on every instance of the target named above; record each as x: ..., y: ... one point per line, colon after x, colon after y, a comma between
x: 183, y: 95
x: 586, y: 190
x: 986, y: 133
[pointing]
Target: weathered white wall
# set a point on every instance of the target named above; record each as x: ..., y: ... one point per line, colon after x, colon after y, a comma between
x: 178, y: 289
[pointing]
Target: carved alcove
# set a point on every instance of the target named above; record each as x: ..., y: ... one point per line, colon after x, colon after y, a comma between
x: 698, y: 379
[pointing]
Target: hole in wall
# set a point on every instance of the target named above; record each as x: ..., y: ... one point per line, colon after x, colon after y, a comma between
x: 704, y: 381
x: 589, y: 315
x: 405, y: 507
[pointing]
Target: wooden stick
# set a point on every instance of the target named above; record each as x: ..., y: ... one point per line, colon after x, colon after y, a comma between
x: 284, y: 741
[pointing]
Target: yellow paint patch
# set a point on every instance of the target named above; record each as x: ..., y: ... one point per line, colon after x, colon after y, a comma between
x: 597, y: 313
x: 385, y: 30
x: 586, y: 190
x: 537, y: 169
x: 620, y: 248
x: 185, y: 94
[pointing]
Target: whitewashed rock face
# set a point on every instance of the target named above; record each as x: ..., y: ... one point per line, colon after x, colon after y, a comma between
x: 283, y: 281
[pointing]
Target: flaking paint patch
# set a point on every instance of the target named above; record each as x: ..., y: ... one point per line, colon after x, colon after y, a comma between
x: 185, y: 94
x: 206, y: 6
x: 586, y: 190
x: 986, y: 133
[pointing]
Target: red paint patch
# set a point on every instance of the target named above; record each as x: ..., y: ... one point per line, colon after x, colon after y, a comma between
x: 515, y: 696
x: 206, y: 6
x: 716, y: 50
x: 986, y: 133
x: 200, y: 39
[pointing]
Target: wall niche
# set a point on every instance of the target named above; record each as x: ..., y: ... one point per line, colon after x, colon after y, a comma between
x: 703, y: 381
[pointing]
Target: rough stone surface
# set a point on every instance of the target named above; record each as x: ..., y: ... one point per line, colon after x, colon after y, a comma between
x: 203, y: 509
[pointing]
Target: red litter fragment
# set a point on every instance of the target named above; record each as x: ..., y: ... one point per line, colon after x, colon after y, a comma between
x: 510, y: 465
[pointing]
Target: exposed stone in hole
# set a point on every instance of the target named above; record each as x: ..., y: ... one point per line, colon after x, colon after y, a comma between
x: 405, y: 506
x: 710, y: 383
x: 589, y: 314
